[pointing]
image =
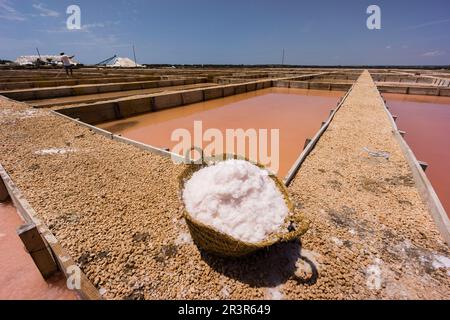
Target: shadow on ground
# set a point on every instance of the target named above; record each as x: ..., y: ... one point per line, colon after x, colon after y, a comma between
x: 267, y: 268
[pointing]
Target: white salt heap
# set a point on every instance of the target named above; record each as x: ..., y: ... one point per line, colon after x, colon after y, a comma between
x: 123, y: 62
x: 28, y: 60
x: 236, y: 198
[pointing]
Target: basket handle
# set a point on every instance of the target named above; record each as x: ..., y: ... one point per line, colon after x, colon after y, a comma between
x: 302, y: 225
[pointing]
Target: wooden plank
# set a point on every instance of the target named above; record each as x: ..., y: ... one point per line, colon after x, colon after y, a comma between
x: 38, y: 250
x: 4, y: 195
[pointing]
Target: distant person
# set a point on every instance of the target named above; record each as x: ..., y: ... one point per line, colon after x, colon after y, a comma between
x: 66, y: 63
x: 39, y: 62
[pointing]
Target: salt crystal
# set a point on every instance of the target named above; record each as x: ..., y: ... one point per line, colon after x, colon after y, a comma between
x: 274, y: 293
x: 441, y: 262
x: 123, y: 62
x: 183, y: 238
x: 237, y: 198
x: 52, y: 151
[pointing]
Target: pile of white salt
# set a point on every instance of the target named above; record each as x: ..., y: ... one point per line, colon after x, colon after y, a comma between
x: 236, y: 198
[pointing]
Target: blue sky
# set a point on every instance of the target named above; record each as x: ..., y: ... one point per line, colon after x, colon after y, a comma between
x: 231, y: 31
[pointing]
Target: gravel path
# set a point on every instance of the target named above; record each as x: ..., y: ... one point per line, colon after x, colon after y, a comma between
x: 116, y: 210
x: 374, y: 236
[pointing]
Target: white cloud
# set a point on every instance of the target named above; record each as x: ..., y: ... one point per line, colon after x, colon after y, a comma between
x: 7, y: 12
x: 388, y: 47
x: 85, y: 28
x: 90, y: 26
x: 435, y: 53
x: 427, y: 24
x: 45, y: 12
x: 101, y: 24
x: 90, y: 39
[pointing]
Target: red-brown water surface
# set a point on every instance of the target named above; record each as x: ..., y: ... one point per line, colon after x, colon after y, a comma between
x: 426, y: 120
x: 297, y: 113
x: 20, y: 279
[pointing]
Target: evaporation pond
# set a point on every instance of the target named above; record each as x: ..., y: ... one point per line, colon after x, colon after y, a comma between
x: 296, y: 113
x: 426, y: 120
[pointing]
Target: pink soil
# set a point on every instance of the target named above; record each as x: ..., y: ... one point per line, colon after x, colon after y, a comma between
x: 19, y: 277
x: 426, y: 120
x: 297, y: 113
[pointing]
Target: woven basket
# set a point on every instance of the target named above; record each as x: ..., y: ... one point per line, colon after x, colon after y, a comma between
x: 221, y: 244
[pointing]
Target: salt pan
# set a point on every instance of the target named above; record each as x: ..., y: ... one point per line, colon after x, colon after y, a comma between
x: 237, y: 198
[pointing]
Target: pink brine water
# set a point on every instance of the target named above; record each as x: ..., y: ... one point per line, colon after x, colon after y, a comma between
x: 426, y: 120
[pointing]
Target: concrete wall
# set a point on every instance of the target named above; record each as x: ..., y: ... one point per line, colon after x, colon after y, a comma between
x: 70, y: 82
x: 104, y: 111
x: 429, y: 91
x: 391, y: 89
x: 125, y: 107
x: 445, y: 92
x: 403, y: 78
x: 313, y: 85
x: 58, y: 92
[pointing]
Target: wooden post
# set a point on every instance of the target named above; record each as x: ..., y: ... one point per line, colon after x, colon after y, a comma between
x: 423, y: 165
x: 37, y: 248
x: 3, y: 191
x: 307, y: 142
